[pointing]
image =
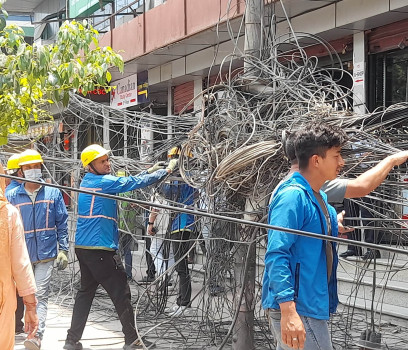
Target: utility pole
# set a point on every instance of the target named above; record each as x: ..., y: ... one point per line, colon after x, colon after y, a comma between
x: 245, y: 262
x: 254, y: 11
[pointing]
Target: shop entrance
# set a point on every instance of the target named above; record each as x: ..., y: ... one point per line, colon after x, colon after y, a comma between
x: 389, y: 70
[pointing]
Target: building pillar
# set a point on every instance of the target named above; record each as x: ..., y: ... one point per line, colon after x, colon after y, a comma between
x: 359, y: 73
x: 169, y: 112
x: 75, y: 178
x: 198, y: 88
x: 146, y: 140
x: 105, y: 113
x: 125, y: 136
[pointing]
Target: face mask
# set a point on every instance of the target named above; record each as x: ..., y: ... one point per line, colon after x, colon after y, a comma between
x: 33, y: 174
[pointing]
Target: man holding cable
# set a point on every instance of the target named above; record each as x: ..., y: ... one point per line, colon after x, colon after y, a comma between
x: 96, y: 244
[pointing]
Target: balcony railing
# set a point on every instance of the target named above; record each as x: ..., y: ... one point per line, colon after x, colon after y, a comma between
x: 120, y: 12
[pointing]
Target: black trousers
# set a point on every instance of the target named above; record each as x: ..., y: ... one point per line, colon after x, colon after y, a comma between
x: 19, y: 313
x: 151, y: 269
x: 355, y: 210
x: 180, y: 250
x: 102, y: 267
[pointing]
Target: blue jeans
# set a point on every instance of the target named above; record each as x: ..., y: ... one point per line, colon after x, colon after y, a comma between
x: 317, y: 332
x: 42, y: 274
x: 162, y: 254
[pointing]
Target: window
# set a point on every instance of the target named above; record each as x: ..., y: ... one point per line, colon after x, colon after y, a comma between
x: 390, y: 72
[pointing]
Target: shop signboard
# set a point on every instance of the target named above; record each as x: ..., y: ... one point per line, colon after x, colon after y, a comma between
x: 142, y: 87
x: 358, y: 74
x: 125, y: 93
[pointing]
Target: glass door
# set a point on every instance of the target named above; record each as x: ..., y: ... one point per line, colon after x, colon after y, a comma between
x: 389, y: 71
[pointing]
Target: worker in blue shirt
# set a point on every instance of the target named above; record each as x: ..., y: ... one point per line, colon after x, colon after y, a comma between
x: 45, y: 218
x: 182, y: 227
x: 96, y: 243
x: 13, y: 169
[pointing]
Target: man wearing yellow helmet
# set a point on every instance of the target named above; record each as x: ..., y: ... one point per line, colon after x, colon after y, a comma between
x: 13, y: 169
x: 96, y: 243
x: 176, y: 151
x: 45, y: 217
x: 15, y: 273
x: 182, y: 226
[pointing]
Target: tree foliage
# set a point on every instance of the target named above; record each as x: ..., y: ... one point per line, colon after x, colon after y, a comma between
x: 33, y: 76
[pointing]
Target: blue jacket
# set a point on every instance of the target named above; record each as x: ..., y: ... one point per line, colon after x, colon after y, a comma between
x: 182, y: 193
x: 97, y: 226
x: 45, y: 221
x: 13, y: 184
x: 295, y: 266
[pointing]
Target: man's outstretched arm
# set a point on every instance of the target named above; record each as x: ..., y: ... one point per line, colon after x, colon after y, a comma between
x: 371, y: 179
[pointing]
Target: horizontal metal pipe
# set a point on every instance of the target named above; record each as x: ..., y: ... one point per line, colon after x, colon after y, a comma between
x: 218, y: 217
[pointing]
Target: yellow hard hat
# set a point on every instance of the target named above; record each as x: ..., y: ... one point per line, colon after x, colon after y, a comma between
x: 175, y: 151
x: 12, y: 163
x: 92, y: 152
x: 30, y: 156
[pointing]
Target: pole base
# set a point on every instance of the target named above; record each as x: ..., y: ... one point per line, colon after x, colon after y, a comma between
x: 370, y: 340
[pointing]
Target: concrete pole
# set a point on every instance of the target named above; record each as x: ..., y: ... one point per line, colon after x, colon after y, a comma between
x: 254, y: 11
x: 245, y: 270
x: 245, y: 266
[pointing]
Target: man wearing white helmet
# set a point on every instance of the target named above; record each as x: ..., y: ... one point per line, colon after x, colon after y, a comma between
x: 96, y: 243
x: 45, y: 218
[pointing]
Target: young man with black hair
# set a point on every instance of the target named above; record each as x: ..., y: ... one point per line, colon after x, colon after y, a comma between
x: 300, y: 285
x: 339, y: 189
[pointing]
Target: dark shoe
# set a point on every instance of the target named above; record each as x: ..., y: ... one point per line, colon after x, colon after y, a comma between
x: 347, y: 253
x: 216, y: 290
x: 19, y: 331
x: 146, y: 280
x: 137, y: 344
x: 71, y: 345
x: 371, y: 254
x: 33, y: 344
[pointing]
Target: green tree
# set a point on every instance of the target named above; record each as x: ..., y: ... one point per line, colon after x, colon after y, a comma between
x: 33, y: 76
